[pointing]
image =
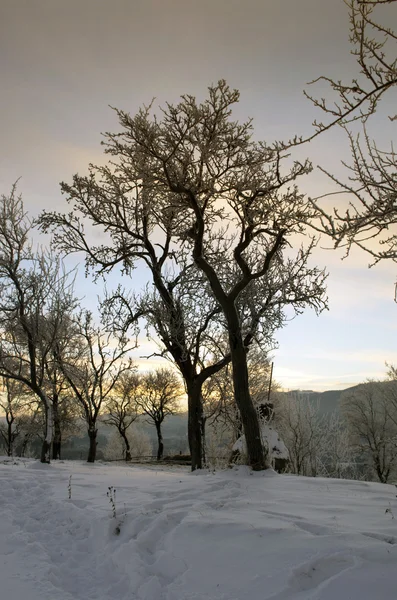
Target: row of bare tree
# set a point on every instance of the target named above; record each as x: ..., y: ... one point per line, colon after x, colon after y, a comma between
x: 152, y: 396
x: 358, y: 441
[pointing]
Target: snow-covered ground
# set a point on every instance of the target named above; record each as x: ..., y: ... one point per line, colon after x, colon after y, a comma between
x: 231, y: 535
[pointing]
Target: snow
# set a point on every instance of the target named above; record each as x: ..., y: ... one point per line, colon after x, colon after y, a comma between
x: 229, y: 535
x: 270, y: 438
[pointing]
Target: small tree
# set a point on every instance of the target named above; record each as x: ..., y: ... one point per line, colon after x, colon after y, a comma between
x: 159, y: 396
x: 122, y: 408
x: 92, y: 369
x: 139, y: 444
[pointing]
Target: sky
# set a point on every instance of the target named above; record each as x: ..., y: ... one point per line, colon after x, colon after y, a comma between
x: 63, y: 64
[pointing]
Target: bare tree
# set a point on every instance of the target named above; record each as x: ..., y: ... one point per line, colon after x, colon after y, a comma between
x: 318, y: 442
x: 372, y: 424
x: 186, y: 321
x: 218, y: 197
x: 122, y: 408
x: 92, y: 368
x: 139, y: 444
x: 36, y: 294
x: 159, y: 397
x: 62, y: 398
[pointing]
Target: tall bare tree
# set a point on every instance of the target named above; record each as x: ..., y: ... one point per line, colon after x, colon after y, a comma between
x: 218, y: 197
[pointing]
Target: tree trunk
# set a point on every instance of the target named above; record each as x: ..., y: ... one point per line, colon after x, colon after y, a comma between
x: 92, y: 433
x: 249, y: 416
x: 56, y: 448
x: 9, y: 438
x: 127, y: 445
x: 182, y: 358
x: 45, y: 452
x: 382, y: 475
x: 160, y: 449
x: 56, y: 443
x: 46, y: 446
x: 195, y: 416
x: 203, y: 442
x: 238, y: 429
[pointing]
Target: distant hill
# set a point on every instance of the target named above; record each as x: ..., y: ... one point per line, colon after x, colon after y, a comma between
x: 328, y: 401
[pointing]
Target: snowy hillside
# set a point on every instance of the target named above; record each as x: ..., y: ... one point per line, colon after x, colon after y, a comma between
x: 232, y: 535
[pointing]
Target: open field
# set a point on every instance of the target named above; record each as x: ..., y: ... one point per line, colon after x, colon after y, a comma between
x: 231, y: 535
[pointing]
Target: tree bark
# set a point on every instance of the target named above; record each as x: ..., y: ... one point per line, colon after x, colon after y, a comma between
x: 46, y: 446
x: 180, y: 354
x: 45, y: 452
x: 9, y: 437
x: 92, y: 434
x: 160, y: 449
x: 203, y: 439
x: 249, y: 417
x: 128, y: 456
x: 56, y: 443
x: 195, y: 417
